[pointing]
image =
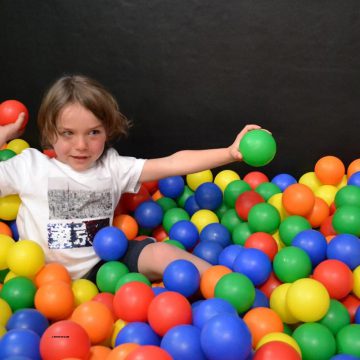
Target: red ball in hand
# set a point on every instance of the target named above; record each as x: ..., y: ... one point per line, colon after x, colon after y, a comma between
x: 10, y: 110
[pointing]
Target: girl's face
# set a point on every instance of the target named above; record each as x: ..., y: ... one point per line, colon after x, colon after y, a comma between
x: 81, y: 137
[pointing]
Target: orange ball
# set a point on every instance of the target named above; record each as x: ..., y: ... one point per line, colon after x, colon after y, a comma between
x: 262, y: 321
x: 319, y: 212
x: 51, y: 272
x: 330, y: 170
x: 122, y: 351
x: 55, y: 300
x: 127, y: 224
x: 99, y: 352
x: 298, y: 199
x: 353, y: 167
x: 96, y: 319
x: 210, y: 278
x: 5, y: 229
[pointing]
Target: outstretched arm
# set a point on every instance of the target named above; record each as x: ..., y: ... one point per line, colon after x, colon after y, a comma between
x: 191, y: 161
x: 11, y: 131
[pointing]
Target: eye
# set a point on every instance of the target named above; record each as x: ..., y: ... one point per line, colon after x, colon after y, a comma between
x: 95, y: 132
x: 66, y: 133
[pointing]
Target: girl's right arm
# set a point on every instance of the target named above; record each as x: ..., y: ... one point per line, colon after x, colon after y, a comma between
x: 11, y: 131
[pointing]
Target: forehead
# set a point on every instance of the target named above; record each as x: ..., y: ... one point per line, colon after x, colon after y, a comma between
x: 73, y: 115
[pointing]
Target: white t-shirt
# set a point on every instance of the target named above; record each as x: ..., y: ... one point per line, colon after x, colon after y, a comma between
x: 62, y: 209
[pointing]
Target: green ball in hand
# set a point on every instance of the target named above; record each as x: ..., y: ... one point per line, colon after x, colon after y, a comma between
x: 258, y: 147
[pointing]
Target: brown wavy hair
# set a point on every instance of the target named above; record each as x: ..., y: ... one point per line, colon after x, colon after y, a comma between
x: 90, y: 94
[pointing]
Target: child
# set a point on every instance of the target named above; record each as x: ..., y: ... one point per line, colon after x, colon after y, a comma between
x: 67, y: 199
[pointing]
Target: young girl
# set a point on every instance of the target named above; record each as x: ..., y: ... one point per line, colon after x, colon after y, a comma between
x: 67, y: 199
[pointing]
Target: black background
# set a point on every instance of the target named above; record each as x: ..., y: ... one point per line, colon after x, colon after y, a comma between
x: 192, y: 73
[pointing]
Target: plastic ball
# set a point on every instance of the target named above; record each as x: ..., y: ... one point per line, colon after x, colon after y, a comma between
x: 356, y: 277
x: 316, y: 341
x: 51, y: 272
x: 109, y: 274
x: 174, y: 215
x: 149, y: 352
x: 6, y: 243
x: 327, y: 193
x: 198, y: 178
x: 137, y: 332
x: 346, y: 248
x: 130, y: 201
x: 229, y: 254
x: 233, y: 190
x: 20, y: 343
x: 225, y: 337
x: 267, y: 190
x: 283, y: 181
x: 208, y: 251
x: 64, y: 339
x: 6, y: 154
x: 298, y: 199
x: 121, y: 352
x: 167, y: 203
x: 346, y: 220
x: 127, y: 224
x: 292, y: 226
x: 336, y: 317
x: 99, y: 352
x: 203, y: 218
x: 149, y: 214
x: 237, y: 289
x: 329, y: 170
x: 110, y: 243
x: 308, y: 300
x: 336, y: 276
x: 348, y: 195
x: 84, y: 290
x: 261, y: 300
x: 10, y: 111
x: 276, y: 201
x: 263, y: 242
x: 318, y: 213
x: 279, y: 336
x: 184, y: 196
x: 168, y: 310
x: 279, y: 305
x: 245, y: 202
x: 255, y: 178
x: 258, y: 147
x: 353, y: 167
x: 55, y: 300
x: 347, y: 340
x: 276, y: 350
x: 185, y: 232
x: 19, y: 293
x: 17, y: 145
x: 208, y: 196
x: 191, y: 206
x: 311, y: 180
x: 5, y: 312
x: 224, y: 178
x: 172, y: 186
x: 182, y: 276
x: 183, y: 342
x: 354, y: 179
x: 351, y: 303
x: 230, y: 220
x: 263, y: 217
x: 217, y: 233
x: 9, y: 206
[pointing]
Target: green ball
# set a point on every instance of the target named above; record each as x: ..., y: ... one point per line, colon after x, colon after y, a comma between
x: 6, y: 154
x: 267, y: 190
x: 172, y: 216
x: 336, y: 317
x: 129, y: 277
x: 291, y: 263
x: 258, y: 147
x: 166, y: 203
x: 109, y: 274
x: 237, y: 289
x: 230, y: 220
x: 346, y: 220
x: 315, y: 340
x: 220, y: 211
x: 291, y: 226
x: 348, y: 340
x: 233, y: 190
x: 348, y: 195
x: 19, y: 293
x: 175, y: 243
x: 184, y: 196
x: 240, y: 233
x: 264, y: 217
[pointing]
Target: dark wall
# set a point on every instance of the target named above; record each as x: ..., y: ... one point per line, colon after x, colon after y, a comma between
x: 192, y: 73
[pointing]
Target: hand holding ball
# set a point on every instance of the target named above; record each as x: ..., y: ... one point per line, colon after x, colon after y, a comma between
x: 258, y: 147
x: 10, y: 111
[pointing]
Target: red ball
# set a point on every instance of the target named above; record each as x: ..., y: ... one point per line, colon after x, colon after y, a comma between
x: 351, y: 302
x: 149, y: 352
x: 270, y: 284
x: 167, y: 310
x: 246, y: 201
x: 10, y: 110
x: 107, y: 299
x: 276, y: 350
x: 65, y: 339
x: 129, y: 201
x: 255, y: 178
x: 264, y: 242
x: 326, y: 227
x: 132, y: 300
x: 336, y: 276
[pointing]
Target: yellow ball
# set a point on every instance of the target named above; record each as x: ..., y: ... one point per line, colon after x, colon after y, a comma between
x: 342, y: 183
x: 5, y: 312
x: 196, y: 179
x: 203, y: 217
x: 119, y: 324
x: 276, y: 202
x: 83, y: 290
x: 225, y: 177
x: 327, y: 193
x: 279, y: 336
x: 26, y: 258
x: 356, y: 276
x: 10, y: 275
x: 9, y: 206
x: 17, y: 145
x: 308, y: 300
x: 6, y: 242
x: 278, y: 304
x: 279, y: 242
x: 311, y: 180
x: 2, y: 331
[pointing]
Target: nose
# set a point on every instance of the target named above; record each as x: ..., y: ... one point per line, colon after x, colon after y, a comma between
x: 81, y: 143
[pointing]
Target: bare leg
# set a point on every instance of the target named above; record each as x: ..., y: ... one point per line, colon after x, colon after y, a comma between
x: 156, y: 257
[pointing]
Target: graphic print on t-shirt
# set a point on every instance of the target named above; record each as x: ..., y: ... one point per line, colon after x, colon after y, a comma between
x: 76, y: 212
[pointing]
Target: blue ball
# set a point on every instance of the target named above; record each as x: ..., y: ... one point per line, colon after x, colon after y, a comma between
x: 357, y: 316
x: 344, y: 357
x: 346, y: 248
x: 183, y: 342
x: 229, y: 254
x: 253, y: 263
x: 14, y: 230
x: 182, y: 276
x: 208, y: 251
x: 185, y: 232
x: 283, y: 181
x: 354, y: 179
x: 149, y: 214
x: 209, y: 308
x: 226, y: 337
x: 30, y: 319
x: 314, y: 243
x: 139, y: 333
x: 216, y: 232
x: 110, y: 243
x: 208, y: 195
x: 261, y: 300
x: 191, y: 206
x: 20, y: 342
x: 172, y: 186
x: 157, y: 290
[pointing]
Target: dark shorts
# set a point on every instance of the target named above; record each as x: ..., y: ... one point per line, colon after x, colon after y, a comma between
x: 130, y: 259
